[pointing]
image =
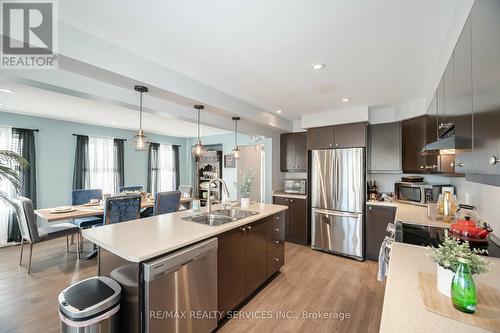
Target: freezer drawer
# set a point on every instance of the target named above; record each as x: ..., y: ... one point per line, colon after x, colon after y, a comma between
x: 181, y: 290
x: 338, y: 232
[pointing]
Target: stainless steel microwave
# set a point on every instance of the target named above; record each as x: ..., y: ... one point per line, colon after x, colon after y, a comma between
x: 296, y: 186
x: 417, y: 193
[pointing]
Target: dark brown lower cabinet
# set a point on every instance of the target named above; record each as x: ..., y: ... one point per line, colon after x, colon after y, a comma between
x: 297, y: 228
x: 246, y: 257
x: 255, y: 256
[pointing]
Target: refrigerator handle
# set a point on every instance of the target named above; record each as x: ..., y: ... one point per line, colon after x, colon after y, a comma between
x: 336, y: 213
x: 337, y: 175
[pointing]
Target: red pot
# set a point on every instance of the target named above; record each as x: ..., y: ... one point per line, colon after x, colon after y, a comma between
x: 468, y: 231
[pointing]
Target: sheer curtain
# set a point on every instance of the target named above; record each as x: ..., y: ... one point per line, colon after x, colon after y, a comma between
x: 162, y: 168
x: 5, y: 209
x: 102, y: 170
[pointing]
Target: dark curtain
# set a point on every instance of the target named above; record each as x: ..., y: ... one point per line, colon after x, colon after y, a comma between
x: 153, y: 170
x: 119, y: 163
x: 81, y: 169
x: 23, y: 143
x: 176, y: 167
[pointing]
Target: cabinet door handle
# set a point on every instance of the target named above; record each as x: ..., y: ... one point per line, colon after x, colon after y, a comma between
x: 249, y: 227
x: 336, y: 145
x: 276, y: 229
x: 330, y: 145
x: 277, y: 217
x: 457, y: 165
x: 276, y: 242
x: 243, y: 228
x: 276, y: 260
x: 291, y: 200
x: 494, y: 160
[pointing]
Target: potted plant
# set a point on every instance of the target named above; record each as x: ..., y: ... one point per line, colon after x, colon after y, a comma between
x: 245, y: 186
x: 8, y: 162
x: 446, y: 258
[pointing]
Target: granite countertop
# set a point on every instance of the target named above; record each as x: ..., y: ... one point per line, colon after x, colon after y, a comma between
x: 140, y: 240
x: 403, y: 309
x: 412, y: 214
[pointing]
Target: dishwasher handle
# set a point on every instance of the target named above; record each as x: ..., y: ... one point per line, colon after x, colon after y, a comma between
x: 171, y: 263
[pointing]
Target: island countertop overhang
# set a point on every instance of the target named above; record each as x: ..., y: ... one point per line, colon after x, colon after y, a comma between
x: 147, y: 238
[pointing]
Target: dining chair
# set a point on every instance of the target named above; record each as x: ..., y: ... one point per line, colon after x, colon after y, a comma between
x: 186, y: 191
x: 166, y: 202
x: 122, y: 208
x: 33, y: 234
x: 80, y: 197
x: 130, y: 188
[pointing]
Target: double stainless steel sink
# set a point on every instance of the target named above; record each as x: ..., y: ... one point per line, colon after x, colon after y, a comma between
x: 219, y: 217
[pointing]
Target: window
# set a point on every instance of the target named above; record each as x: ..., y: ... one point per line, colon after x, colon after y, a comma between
x: 5, y: 209
x: 102, y: 169
x: 163, y: 168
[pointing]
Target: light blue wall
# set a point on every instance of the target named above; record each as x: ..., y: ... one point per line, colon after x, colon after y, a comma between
x: 229, y: 174
x: 55, y: 148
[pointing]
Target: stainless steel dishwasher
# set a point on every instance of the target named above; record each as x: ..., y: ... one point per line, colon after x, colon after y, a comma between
x: 181, y: 290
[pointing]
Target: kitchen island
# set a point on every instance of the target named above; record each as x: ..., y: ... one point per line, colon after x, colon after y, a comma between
x: 403, y: 309
x: 250, y: 251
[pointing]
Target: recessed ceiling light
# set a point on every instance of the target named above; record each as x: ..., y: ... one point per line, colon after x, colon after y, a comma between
x: 5, y: 90
x: 1, y: 104
x: 345, y: 100
x: 279, y: 111
x: 318, y: 66
x: 113, y: 123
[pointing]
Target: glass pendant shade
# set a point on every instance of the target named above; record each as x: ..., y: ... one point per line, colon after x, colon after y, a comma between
x: 236, y: 153
x: 140, y: 141
x: 236, y: 150
x: 198, y: 149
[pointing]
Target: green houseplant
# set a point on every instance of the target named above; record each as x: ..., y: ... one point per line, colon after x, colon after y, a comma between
x: 446, y: 257
x: 8, y: 173
x: 245, y: 187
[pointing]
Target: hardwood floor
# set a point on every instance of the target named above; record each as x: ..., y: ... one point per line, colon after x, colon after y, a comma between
x: 310, y: 281
x: 28, y: 303
x: 316, y: 282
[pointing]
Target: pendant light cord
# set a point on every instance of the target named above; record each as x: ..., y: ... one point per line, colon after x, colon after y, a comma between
x: 236, y: 133
x: 140, y: 113
x: 199, y: 126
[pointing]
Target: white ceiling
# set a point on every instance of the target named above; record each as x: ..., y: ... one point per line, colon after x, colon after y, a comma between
x: 377, y: 52
x: 43, y: 103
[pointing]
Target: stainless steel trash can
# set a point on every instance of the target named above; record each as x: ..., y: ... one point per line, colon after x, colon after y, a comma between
x: 91, y: 305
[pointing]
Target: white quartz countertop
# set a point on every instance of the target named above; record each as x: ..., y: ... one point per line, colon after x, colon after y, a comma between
x: 413, y: 214
x: 140, y: 240
x: 280, y: 193
x: 403, y: 309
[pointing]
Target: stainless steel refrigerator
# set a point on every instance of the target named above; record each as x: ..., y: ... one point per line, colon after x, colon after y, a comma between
x: 338, y: 201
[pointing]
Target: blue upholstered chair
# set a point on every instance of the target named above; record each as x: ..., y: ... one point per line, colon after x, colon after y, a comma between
x: 32, y: 234
x: 186, y: 191
x: 80, y: 197
x: 166, y: 202
x: 130, y: 188
x: 122, y: 208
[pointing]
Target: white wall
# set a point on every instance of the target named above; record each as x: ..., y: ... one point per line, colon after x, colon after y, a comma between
x: 484, y: 197
x: 335, y: 117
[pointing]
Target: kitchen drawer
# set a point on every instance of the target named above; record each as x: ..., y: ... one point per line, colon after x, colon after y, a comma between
x: 275, y: 259
x: 275, y: 232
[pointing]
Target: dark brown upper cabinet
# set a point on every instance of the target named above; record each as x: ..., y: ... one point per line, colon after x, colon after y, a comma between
x: 293, y: 156
x: 446, y: 102
x: 485, y: 20
x: 461, y: 114
x: 416, y: 133
x: 339, y: 136
x: 321, y: 137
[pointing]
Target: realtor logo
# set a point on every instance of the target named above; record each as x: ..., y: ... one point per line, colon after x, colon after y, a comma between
x: 28, y: 34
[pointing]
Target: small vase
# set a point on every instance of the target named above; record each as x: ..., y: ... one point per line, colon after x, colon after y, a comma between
x: 245, y: 202
x: 444, y: 278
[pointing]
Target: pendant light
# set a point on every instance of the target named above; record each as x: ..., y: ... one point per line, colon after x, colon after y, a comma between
x: 236, y: 150
x: 140, y: 141
x: 198, y: 148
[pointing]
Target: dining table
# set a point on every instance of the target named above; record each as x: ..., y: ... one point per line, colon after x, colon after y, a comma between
x: 87, y: 210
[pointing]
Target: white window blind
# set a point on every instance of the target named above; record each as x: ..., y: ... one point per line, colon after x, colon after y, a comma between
x: 102, y: 168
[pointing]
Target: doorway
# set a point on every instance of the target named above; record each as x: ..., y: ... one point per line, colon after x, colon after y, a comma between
x: 252, y: 157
